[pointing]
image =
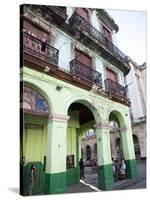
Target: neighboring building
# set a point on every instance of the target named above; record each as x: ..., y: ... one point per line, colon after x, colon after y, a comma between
x: 72, y: 80
x: 136, y: 81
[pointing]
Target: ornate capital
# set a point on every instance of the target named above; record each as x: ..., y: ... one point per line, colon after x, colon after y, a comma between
x: 102, y: 125
x: 58, y: 118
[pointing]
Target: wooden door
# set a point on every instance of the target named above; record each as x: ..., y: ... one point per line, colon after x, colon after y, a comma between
x: 83, y: 58
x: 111, y: 75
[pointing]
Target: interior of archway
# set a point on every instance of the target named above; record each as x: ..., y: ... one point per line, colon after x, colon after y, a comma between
x: 81, y: 120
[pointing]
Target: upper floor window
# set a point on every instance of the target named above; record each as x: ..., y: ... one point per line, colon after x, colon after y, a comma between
x: 83, y: 58
x: 107, y: 33
x: 110, y: 74
x: 35, y: 31
x: 84, y: 13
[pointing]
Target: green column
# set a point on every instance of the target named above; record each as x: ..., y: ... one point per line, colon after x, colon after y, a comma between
x: 128, y: 150
x: 105, y: 175
x: 55, y: 177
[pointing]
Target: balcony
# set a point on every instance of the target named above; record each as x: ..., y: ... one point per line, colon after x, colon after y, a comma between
x: 58, y: 13
x: 115, y: 89
x: 39, y: 49
x: 85, y: 72
x: 92, y: 36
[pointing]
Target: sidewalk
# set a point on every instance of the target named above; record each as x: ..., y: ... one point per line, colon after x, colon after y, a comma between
x: 90, y: 182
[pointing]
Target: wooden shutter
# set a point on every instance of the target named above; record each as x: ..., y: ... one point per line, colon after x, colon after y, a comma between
x: 83, y: 58
x: 35, y: 31
x: 111, y: 75
x: 83, y: 13
x: 107, y: 33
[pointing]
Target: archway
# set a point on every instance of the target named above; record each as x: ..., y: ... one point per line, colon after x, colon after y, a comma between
x: 125, y: 141
x: 116, y: 123
x: 35, y: 110
x: 82, y: 118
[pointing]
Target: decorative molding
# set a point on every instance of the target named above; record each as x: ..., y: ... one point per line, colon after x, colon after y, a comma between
x: 107, y: 19
x: 34, y: 126
x: 103, y: 125
x: 58, y: 118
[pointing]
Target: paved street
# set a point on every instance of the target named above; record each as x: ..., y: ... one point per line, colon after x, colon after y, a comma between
x: 90, y: 182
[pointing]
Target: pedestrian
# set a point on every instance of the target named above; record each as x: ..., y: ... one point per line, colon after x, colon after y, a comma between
x: 113, y: 167
x: 81, y: 165
x: 31, y: 179
x: 122, y: 167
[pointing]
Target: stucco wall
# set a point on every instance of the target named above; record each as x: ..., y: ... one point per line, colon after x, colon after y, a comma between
x: 134, y: 94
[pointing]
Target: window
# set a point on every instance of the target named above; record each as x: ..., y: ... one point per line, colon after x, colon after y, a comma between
x: 35, y: 31
x: 84, y: 13
x: 83, y: 58
x: 107, y: 33
x: 111, y: 74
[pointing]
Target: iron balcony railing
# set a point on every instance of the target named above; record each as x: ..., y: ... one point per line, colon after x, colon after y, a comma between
x: 76, y: 21
x: 115, y: 88
x: 40, y: 49
x: 83, y: 71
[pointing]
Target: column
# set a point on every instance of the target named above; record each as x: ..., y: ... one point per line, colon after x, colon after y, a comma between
x: 105, y: 175
x: 55, y: 176
x: 128, y: 150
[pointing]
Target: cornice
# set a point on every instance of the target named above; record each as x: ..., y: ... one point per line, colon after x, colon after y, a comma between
x: 107, y: 19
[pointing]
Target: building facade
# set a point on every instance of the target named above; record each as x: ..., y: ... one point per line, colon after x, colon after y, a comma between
x: 72, y: 80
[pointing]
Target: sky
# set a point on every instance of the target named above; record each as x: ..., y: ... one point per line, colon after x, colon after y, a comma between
x: 131, y: 37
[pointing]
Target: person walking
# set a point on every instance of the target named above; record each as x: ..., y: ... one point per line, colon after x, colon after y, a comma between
x: 81, y: 165
x: 122, y: 167
x: 31, y: 179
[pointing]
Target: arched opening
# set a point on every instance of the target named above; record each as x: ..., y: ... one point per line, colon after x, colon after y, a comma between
x: 35, y: 110
x: 116, y: 122
x: 82, y: 119
x: 136, y: 147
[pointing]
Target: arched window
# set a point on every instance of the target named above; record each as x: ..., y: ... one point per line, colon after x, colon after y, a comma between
x: 136, y: 147
x: 33, y: 102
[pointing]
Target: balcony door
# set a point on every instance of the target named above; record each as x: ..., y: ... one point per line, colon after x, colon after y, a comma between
x: 111, y: 75
x: 84, y: 63
x: 84, y: 13
x: 83, y: 58
x: 107, y: 33
x: 35, y: 40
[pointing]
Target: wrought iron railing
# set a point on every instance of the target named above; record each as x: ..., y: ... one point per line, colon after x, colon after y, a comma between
x: 83, y: 71
x: 40, y: 49
x: 76, y: 22
x: 115, y: 88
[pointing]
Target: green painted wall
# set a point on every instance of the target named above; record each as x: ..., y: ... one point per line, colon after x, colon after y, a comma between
x: 131, y: 168
x: 34, y: 146
x: 105, y: 177
x: 72, y: 145
x: 55, y: 183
